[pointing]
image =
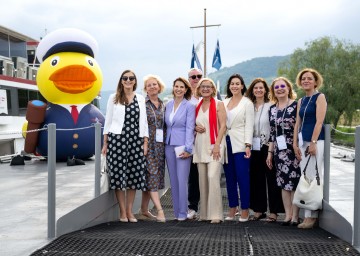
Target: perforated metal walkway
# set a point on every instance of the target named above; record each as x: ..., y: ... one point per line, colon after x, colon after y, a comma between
x: 192, y: 237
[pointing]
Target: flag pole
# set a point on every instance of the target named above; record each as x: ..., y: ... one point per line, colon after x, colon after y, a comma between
x: 205, y: 26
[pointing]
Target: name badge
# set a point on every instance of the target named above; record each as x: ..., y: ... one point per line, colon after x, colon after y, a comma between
x: 301, y: 142
x: 159, y: 135
x: 256, y: 143
x: 281, y: 142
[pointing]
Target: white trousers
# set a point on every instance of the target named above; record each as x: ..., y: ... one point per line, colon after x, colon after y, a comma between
x: 211, y: 207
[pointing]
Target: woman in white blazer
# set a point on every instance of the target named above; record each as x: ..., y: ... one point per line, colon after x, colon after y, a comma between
x: 125, y: 143
x: 240, y: 125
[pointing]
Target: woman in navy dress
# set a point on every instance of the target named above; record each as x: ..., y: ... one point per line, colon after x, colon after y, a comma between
x: 309, y: 129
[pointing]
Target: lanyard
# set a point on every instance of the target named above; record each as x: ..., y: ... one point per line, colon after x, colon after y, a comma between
x: 302, y: 121
x: 258, y: 131
x: 163, y: 113
x: 282, y: 119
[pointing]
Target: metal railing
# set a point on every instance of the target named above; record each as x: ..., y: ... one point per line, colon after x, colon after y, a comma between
x: 51, y: 165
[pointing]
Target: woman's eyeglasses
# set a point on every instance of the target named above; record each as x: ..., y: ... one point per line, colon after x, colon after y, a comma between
x: 125, y: 78
x: 193, y: 77
x: 206, y: 87
x: 282, y: 86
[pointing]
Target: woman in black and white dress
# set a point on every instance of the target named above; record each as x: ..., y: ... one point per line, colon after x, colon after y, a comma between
x: 125, y: 143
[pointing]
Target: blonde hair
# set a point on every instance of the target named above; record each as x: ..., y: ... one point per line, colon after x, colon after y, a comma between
x: 158, y: 80
x: 318, y: 78
x: 292, y: 94
x: 198, y: 93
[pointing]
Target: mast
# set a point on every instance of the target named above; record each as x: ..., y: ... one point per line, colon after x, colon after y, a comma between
x: 205, y: 26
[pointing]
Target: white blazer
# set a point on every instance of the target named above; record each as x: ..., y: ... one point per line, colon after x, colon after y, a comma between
x: 241, y: 128
x: 115, y: 116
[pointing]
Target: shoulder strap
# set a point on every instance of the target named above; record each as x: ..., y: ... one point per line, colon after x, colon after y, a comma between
x: 316, y: 168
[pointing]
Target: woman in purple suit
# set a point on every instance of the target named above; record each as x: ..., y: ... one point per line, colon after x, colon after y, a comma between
x: 180, y: 123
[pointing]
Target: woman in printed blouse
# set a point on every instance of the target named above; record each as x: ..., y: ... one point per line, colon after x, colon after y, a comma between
x: 282, y: 122
x: 155, y: 158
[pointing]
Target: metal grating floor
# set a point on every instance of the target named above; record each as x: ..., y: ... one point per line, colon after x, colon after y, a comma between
x: 191, y: 237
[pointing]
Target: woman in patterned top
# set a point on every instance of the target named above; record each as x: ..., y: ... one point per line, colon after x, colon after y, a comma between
x: 125, y: 143
x: 155, y: 158
x: 282, y: 121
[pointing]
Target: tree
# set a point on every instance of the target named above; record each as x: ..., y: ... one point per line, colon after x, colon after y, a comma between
x: 339, y: 63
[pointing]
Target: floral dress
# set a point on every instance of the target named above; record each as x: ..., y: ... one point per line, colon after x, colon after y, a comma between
x: 155, y: 158
x: 287, y: 166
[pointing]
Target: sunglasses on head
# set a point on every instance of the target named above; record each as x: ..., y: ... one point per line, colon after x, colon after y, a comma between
x: 282, y: 86
x: 196, y: 76
x: 125, y: 78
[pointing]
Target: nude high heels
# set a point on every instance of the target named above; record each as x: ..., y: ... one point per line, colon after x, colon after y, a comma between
x: 160, y: 219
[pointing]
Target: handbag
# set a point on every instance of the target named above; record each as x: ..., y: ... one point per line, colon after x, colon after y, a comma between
x: 104, y: 178
x: 309, y: 193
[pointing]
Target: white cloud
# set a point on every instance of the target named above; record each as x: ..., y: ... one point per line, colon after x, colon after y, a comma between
x: 155, y: 36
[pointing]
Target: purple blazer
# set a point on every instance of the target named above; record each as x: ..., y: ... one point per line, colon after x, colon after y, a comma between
x: 181, y: 131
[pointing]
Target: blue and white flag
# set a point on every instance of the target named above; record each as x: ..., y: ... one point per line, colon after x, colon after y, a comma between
x: 216, y: 63
x: 194, y: 59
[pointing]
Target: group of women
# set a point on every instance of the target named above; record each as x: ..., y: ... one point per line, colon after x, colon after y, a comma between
x: 258, y: 135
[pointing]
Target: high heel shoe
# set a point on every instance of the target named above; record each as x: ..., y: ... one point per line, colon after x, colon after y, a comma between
x: 286, y: 223
x: 310, y: 223
x: 133, y: 220
x: 244, y: 219
x: 160, y: 219
x: 229, y: 218
x: 147, y: 215
x: 123, y: 220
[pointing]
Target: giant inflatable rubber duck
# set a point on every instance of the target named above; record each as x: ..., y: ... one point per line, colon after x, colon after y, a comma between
x: 69, y: 78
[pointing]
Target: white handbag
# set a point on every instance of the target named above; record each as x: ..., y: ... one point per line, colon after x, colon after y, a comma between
x: 104, y: 178
x: 309, y: 193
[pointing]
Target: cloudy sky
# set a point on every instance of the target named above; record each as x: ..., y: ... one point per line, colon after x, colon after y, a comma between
x: 153, y: 36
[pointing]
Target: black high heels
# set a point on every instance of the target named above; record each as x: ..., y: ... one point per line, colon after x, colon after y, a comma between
x: 286, y: 223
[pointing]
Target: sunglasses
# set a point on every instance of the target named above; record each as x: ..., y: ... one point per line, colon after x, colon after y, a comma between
x: 125, y: 78
x: 196, y: 76
x: 282, y: 86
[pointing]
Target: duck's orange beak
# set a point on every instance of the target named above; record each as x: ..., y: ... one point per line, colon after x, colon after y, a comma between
x: 73, y: 79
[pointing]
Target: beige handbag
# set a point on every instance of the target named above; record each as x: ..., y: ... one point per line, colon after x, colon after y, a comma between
x: 309, y: 193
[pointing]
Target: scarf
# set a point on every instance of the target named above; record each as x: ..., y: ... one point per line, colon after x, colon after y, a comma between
x: 212, y: 119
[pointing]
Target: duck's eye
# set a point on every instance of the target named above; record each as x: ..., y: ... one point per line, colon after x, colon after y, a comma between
x: 90, y: 61
x: 54, y: 61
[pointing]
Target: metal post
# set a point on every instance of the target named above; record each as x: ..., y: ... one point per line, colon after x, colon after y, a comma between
x: 204, y: 43
x: 97, y: 158
x: 326, y: 181
x: 356, y: 237
x: 51, y: 162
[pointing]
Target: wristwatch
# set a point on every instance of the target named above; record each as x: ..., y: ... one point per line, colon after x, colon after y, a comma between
x: 314, y: 141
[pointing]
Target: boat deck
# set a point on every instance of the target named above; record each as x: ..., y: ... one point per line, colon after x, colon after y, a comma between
x: 23, y: 221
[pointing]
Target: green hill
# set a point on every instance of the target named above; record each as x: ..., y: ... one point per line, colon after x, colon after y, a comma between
x: 265, y: 67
